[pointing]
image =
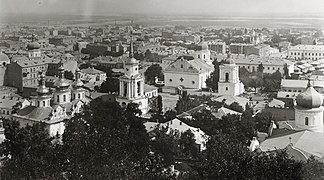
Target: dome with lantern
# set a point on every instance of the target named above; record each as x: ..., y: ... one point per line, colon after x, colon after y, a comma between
x: 203, y: 44
x: 78, y: 82
x: 61, y: 82
x: 310, y: 98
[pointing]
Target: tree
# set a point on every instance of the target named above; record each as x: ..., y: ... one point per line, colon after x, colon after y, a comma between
x: 105, y: 141
x: 32, y: 153
x: 187, y: 144
x: 148, y: 55
x: 69, y: 75
x: 152, y: 72
x: 263, y: 120
x: 286, y: 71
x: 212, y: 81
x: 236, y: 107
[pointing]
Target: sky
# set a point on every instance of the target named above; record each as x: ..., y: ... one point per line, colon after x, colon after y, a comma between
x: 164, y: 7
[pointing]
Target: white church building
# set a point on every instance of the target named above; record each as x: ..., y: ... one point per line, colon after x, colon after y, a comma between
x: 229, y: 81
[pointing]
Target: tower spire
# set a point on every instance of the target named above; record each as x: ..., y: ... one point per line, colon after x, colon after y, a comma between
x: 131, y: 52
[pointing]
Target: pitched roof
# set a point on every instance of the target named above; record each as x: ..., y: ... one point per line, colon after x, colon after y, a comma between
x: 91, y: 71
x: 294, y: 83
x: 35, y: 113
x: 230, y: 99
x: 310, y: 143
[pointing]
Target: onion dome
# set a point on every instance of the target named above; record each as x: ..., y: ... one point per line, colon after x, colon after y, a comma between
x: 77, y: 83
x: 33, y: 45
x: 42, y: 89
x: 229, y: 59
x: 203, y: 45
x: 61, y: 82
x: 310, y: 98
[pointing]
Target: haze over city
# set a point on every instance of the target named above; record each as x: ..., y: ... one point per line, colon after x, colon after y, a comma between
x: 165, y: 7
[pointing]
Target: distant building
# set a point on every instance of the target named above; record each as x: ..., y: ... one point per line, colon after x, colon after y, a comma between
x: 301, y: 52
x: 217, y: 46
x: 270, y: 64
x: 239, y: 48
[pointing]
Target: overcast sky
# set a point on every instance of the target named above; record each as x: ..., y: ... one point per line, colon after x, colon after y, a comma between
x: 165, y: 7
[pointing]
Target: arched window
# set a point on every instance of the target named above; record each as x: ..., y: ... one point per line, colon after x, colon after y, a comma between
x: 226, y: 77
x: 306, y: 121
x: 79, y: 96
x: 139, y: 88
x: 64, y: 98
x: 44, y: 103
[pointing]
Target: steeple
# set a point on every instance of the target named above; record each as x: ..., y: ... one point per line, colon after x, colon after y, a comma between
x: 61, y: 83
x: 42, y: 89
x: 43, y: 94
x: 77, y: 83
x: 131, y: 51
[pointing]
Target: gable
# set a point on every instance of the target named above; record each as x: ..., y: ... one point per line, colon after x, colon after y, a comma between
x: 181, y: 65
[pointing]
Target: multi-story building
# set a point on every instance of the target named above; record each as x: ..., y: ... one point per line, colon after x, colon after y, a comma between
x: 301, y: 52
x: 24, y: 71
x: 217, y: 46
x: 239, y: 48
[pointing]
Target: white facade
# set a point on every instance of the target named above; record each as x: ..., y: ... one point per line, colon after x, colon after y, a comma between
x: 229, y: 82
x: 310, y: 119
x: 131, y: 86
x: 299, y: 52
x: 189, y: 74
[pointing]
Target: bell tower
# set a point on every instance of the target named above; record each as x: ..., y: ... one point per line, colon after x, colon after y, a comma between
x: 131, y: 84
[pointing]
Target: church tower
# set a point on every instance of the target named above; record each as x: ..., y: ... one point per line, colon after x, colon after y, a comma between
x: 131, y: 84
x: 229, y: 81
x: 78, y: 93
x: 43, y: 98
x: 62, y: 94
x: 309, y: 110
x: 204, y: 53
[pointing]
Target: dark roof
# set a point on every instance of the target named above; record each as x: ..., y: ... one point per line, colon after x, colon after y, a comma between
x: 36, y: 113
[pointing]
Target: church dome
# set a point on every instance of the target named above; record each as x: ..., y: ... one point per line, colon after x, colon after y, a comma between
x: 42, y: 89
x: 203, y: 45
x: 33, y: 45
x: 131, y: 60
x: 77, y: 83
x: 61, y: 82
x: 310, y: 98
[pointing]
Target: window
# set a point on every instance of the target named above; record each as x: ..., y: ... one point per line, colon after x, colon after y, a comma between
x: 170, y: 80
x: 198, y: 56
x: 226, y: 77
x: 306, y: 121
x: 268, y: 68
x: 79, y: 96
x: 193, y: 82
x: 64, y: 98
x: 58, y: 98
x: 181, y: 79
x: 226, y: 88
x: 204, y: 56
x: 44, y: 103
x: 181, y: 65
